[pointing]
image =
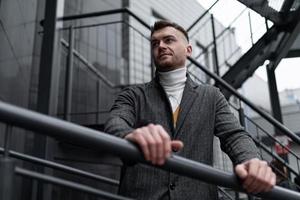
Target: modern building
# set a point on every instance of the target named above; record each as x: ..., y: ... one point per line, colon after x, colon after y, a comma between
x: 69, y: 58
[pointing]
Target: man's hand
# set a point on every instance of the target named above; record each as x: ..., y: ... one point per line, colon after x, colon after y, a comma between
x: 155, y: 143
x: 256, y: 176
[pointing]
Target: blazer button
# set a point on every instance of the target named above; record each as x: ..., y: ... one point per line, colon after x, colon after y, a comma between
x: 172, y: 186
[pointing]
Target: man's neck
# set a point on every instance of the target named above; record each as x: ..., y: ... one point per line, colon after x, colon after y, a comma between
x: 173, y: 83
x: 173, y: 79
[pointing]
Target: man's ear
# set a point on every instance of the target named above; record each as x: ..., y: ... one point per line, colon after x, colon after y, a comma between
x: 189, y: 50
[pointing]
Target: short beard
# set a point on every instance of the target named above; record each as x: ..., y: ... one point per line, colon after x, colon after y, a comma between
x: 164, y: 68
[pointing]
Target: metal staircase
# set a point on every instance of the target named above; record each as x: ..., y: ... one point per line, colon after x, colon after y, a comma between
x: 273, y: 46
x: 104, y: 88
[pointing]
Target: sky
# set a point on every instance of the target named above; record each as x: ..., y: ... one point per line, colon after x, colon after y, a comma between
x: 288, y: 71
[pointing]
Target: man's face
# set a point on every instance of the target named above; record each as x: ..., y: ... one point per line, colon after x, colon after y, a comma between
x: 170, y: 49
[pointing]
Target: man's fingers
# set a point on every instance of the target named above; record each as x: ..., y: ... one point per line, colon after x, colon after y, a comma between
x: 252, y: 169
x: 158, y: 156
x: 272, y: 177
x: 155, y: 143
x: 241, y: 171
x: 256, y: 175
x: 166, y: 143
x: 138, y: 138
x: 176, y: 145
x: 259, y: 182
x: 151, y: 143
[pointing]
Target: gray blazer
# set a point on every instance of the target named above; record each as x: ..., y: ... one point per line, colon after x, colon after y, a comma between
x: 204, y: 113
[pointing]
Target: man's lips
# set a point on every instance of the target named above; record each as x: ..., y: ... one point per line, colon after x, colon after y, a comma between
x: 164, y: 54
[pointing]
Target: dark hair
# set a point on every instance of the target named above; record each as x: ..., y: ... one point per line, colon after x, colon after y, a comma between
x: 164, y: 23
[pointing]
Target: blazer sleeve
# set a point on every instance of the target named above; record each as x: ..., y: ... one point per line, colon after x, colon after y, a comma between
x: 235, y: 141
x: 122, y: 115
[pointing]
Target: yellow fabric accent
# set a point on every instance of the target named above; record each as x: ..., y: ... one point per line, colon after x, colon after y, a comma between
x: 175, y: 116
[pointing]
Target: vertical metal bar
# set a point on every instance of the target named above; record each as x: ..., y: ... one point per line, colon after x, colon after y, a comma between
x: 134, y: 54
x: 8, y: 132
x: 7, y: 169
x: 98, y: 100
x: 106, y: 47
x: 250, y: 27
x: 151, y: 63
x: 49, y: 71
x: 116, y: 66
x: 267, y: 25
x: 236, y: 195
x: 34, y: 189
x: 69, y: 77
x: 143, y: 58
x: 274, y: 98
x: 275, y: 102
x: 215, y: 45
x: 125, y: 43
x: 241, y: 116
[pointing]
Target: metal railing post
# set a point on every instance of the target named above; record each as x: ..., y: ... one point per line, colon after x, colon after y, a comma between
x: 215, y: 45
x: 243, y: 123
x: 241, y: 115
x: 7, y: 169
x: 250, y: 27
x: 98, y: 97
x: 69, y: 77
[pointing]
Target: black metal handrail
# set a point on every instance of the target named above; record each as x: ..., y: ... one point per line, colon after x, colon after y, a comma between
x: 57, y: 166
x: 265, y: 148
x: 262, y: 146
x: 69, y: 184
x: 274, y: 139
x: 77, y: 134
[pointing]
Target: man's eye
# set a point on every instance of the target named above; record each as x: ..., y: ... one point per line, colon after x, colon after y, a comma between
x: 154, y: 44
x: 169, y: 40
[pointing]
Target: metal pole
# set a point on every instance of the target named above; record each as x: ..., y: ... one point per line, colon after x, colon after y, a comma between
x: 48, y: 87
x: 267, y: 25
x: 250, y: 26
x: 274, y: 98
x: 69, y: 77
x: 61, y: 167
x: 102, y: 141
x: 70, y: 184
x: 275, y: 103
x: 242, y: 116
x: 215, y: 45
x: 8, y: 132
x: 98, y: 97
x: 7, y: 167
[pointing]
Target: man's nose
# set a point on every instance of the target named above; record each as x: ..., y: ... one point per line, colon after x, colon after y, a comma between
x: 162, y: 44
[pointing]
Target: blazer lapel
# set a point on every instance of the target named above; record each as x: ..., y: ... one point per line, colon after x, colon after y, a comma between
x: 188, y: 98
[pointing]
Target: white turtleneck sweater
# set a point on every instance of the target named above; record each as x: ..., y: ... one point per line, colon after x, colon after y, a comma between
x: 173, y: 83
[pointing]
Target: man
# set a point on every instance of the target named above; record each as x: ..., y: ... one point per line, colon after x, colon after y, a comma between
x: 173, y: 114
